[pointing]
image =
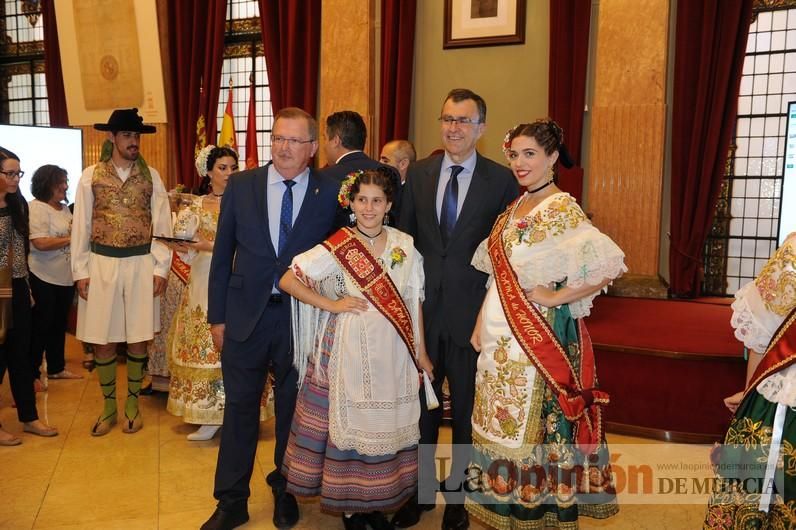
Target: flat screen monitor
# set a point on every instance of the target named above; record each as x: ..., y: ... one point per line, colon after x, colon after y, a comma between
x: 787, y: 205
x: 37, y: 146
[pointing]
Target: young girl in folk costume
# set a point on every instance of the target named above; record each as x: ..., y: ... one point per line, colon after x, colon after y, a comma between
x: 358, y: 336
x: 756, y: 466
x: 538, y: 445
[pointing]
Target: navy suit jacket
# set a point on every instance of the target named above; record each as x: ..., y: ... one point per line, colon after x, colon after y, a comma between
x: 454, y: 288
x: 355, y: 161
x: 245, y: 261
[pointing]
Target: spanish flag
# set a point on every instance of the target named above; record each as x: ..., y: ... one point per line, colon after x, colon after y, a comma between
x: 252, y: 159
x: 226, y: 137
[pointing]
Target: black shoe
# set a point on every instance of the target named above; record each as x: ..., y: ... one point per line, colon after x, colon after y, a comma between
x: 409, y: 514
x: 355, y: 522
x: 378, y: 521
x: 226, y: 520
x: 455, y: 517
x: 286, y: 512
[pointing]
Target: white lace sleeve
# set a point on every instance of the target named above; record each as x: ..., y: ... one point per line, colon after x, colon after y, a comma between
x: 593, y: 258
x: 780, y: 387
x: 754, y: 324
x: 482, y: 262
x: 315, y: 264
x: 481, y: 259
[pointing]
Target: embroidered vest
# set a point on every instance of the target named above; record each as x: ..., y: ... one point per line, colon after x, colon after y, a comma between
x: 122, y: 215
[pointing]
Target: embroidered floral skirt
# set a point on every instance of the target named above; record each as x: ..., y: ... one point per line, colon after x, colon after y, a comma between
x: 346, y: 481
x: 157, y: 349
x: 740, y: 469
x: 525, y: 471
x: 196, y: 387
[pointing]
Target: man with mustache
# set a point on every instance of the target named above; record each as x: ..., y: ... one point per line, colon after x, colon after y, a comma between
x: 120, y: 272
x: 268, y: 215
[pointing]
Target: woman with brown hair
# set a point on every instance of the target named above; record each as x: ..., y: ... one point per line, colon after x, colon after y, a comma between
x: 50, y: 270
x: 539, y: 455
x: 359, y: 340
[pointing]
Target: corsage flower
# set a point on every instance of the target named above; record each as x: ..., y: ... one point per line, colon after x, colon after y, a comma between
x: 397, y: 257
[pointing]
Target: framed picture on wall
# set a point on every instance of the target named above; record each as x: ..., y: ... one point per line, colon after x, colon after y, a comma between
x: 483, y: 23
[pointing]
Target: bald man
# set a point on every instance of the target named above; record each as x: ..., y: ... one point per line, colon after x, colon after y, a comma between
x: 398, y: 154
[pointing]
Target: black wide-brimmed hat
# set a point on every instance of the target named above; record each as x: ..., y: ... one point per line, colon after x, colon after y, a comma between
x: 125, y: 120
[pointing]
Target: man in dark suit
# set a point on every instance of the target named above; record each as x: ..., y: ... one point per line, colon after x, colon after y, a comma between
x: 268, y: 215
x: 344, y: 147
x: 451, y: 201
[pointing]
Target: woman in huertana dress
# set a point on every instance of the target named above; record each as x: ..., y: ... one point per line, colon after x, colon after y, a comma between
x: 539, y: 456
x: 756, y: 466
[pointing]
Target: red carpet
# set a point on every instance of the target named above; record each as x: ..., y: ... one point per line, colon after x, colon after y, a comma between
x: 667, y: 365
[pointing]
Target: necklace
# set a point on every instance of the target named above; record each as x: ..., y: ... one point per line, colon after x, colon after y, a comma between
x: 540, y: 188
x: 371, y: 239
x: 216, y: 195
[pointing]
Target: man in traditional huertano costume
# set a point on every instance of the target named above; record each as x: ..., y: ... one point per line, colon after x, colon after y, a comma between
x: 120, y: 272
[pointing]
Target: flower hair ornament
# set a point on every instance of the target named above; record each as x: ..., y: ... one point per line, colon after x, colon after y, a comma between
x: 201, y: 160
x: 507, y: 140
x: 344, y: 195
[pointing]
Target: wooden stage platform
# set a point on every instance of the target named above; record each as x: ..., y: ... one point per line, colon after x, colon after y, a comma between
x: 667, y: 365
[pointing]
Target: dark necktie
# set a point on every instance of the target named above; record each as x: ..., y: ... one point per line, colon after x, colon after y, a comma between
x: 450, y: 202
x: 286, y: 217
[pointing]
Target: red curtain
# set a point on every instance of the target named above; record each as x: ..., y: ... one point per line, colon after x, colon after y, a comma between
x: 709, y: 56
x: 397, y: 55
x: 196, y: 49
x: 292, y: 41
x: 56, y: 96
x: 569, y: 55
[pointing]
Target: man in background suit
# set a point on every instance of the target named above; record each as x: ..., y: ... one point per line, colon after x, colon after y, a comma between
x: 345, y: 143
x: 268, y: 215
x: 399, y: 154
x: 450, y: 203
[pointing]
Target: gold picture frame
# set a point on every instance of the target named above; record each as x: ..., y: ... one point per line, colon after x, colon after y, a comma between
x: 471, y: 23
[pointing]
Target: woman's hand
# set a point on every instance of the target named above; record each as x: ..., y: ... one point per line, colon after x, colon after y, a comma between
x: 733, y: 401
x: 424, y: 362
x: 348, y: 304
x: 201, y: 245
x: 542, y: 295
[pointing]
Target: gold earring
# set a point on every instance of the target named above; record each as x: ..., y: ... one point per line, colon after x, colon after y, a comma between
x: 550, y: 173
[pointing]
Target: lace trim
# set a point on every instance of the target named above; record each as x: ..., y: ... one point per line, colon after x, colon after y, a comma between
x: 748, y: 325
x: 780, y: 387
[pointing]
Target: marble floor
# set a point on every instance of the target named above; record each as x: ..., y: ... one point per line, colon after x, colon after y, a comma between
x: 157, y: 479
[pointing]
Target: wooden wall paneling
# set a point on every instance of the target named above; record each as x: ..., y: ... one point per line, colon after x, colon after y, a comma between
x: 348, y: 78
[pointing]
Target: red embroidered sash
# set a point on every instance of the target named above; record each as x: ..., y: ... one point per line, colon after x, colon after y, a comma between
x: 374, y: 282
x: 780, y: 354
x: 580, y: 402
x: 180, y: 269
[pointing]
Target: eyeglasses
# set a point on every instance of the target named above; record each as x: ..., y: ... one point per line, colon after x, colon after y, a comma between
x: 291, y: 142
x: 12, y: 174
x: 450, y: 120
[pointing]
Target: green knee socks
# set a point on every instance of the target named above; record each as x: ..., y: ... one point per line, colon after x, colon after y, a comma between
x: 135, y: 375
x: 106, y: 370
